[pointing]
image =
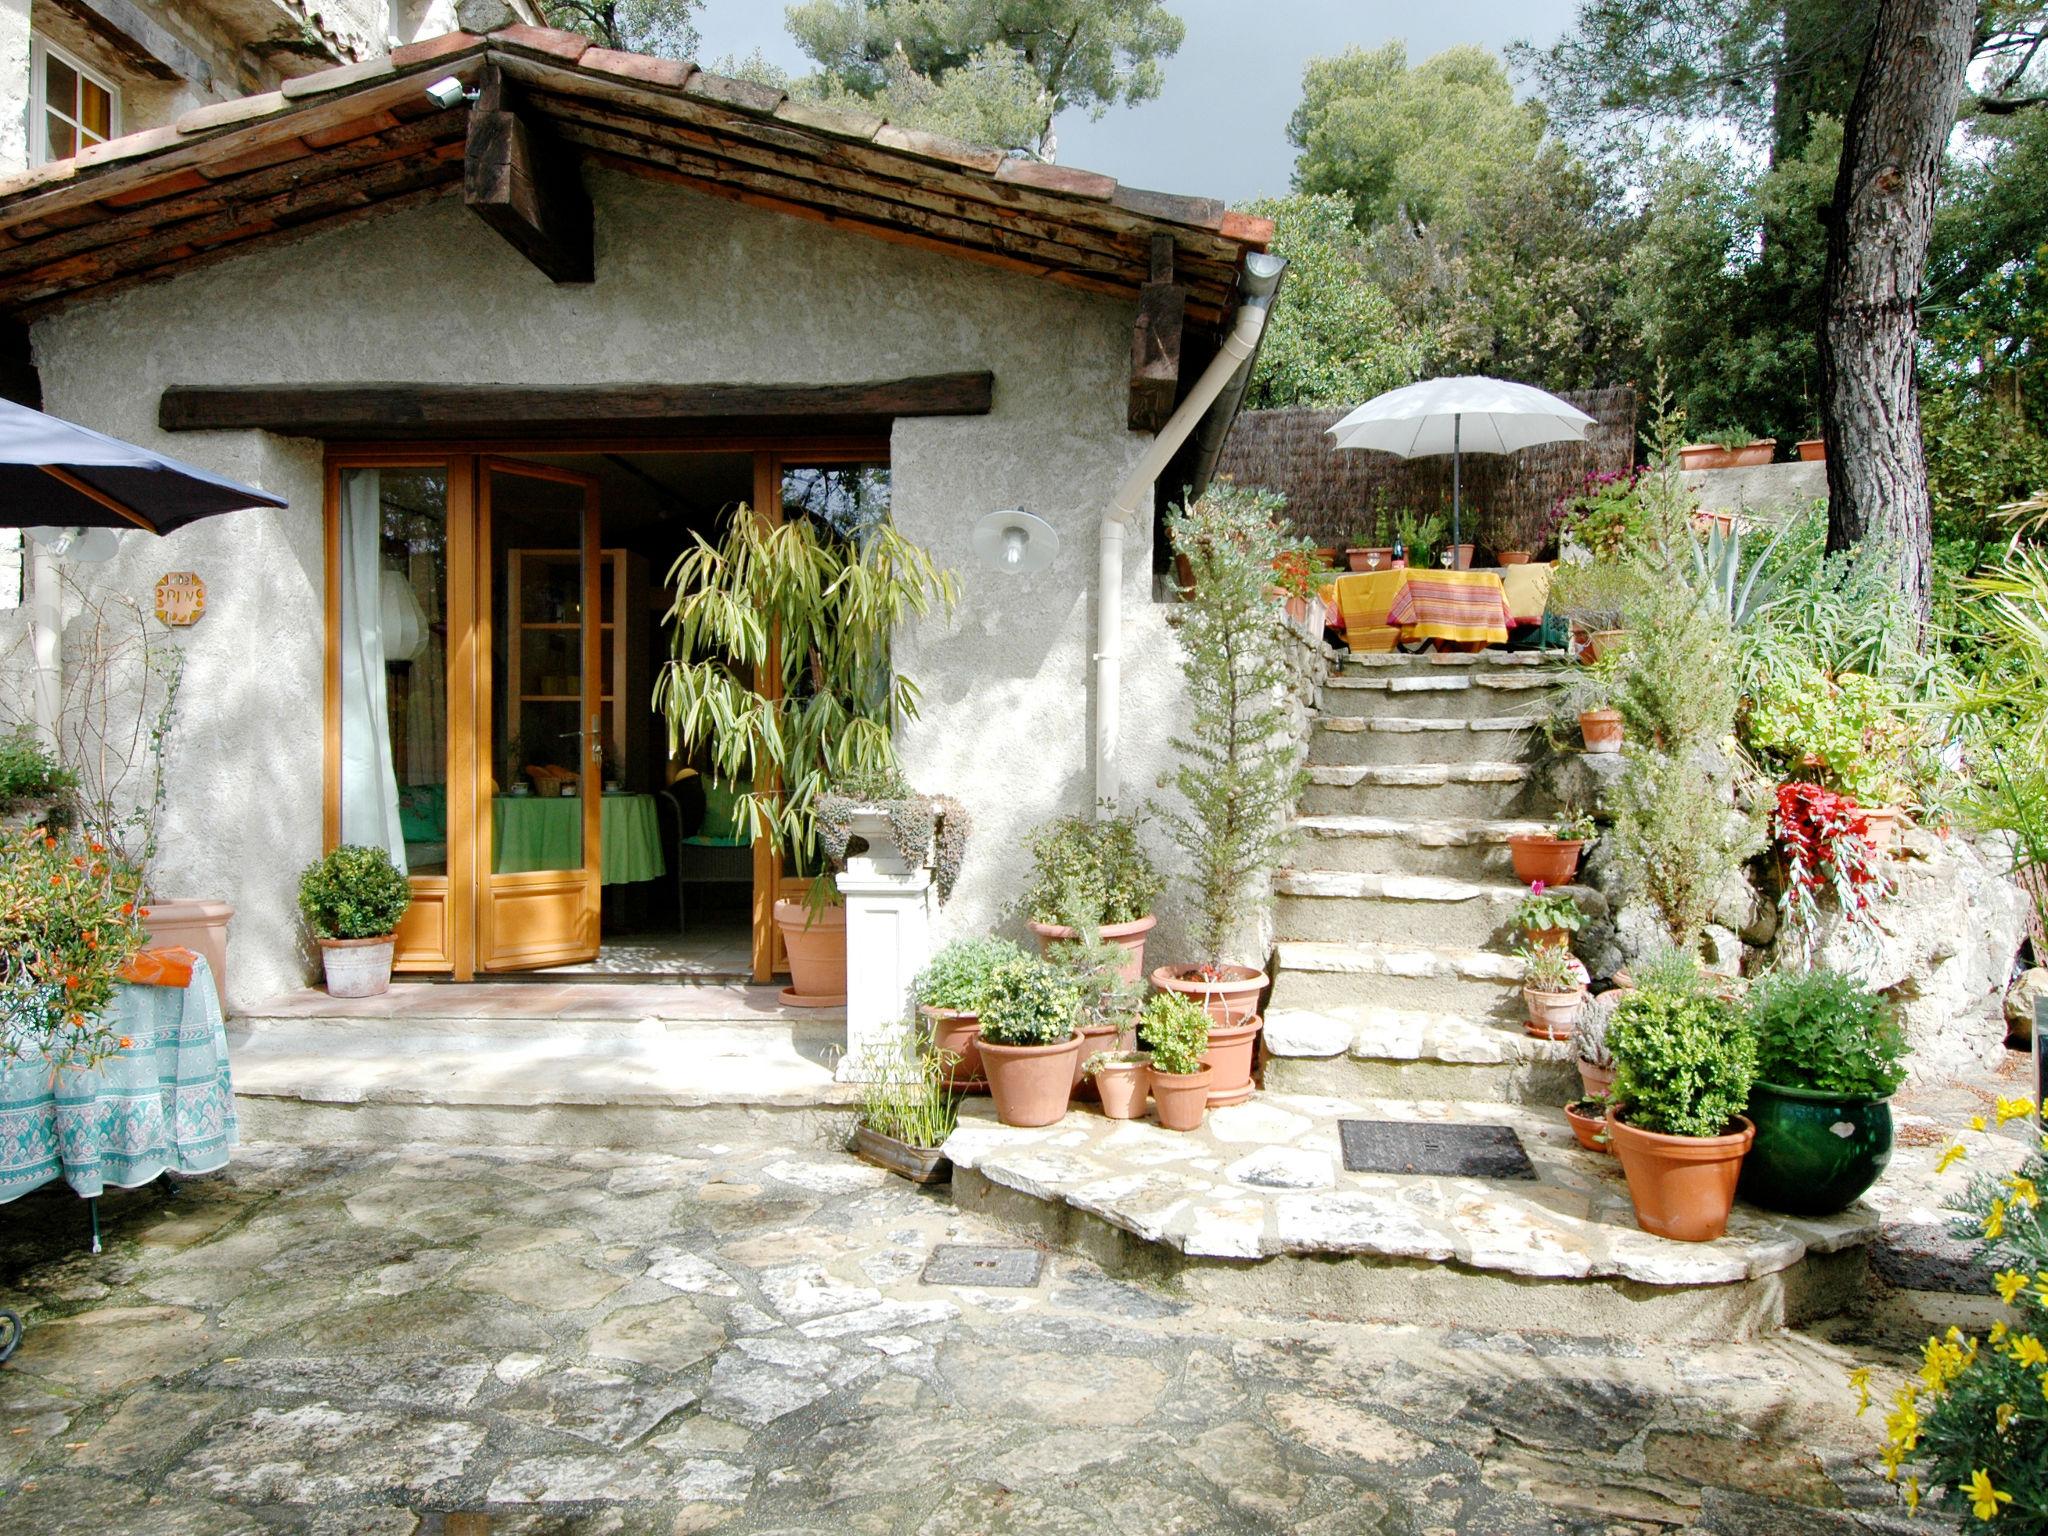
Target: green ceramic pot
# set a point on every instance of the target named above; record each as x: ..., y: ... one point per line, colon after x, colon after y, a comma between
x: 1814, y: 1152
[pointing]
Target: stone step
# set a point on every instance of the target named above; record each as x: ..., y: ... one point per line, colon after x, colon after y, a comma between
x: 1369, y: 663
x: 1428, y: 791
x: 1386, y: 739
x: 1473, y: 983
x: 1346, y: 905
x: 1462, y: 848
x: 1394, y: 1053
x: 1438, y: 695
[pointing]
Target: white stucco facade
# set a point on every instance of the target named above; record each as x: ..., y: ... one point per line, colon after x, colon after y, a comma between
x: 688, y: 289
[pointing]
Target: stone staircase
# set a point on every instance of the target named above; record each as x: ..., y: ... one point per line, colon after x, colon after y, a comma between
x: 1394, y: 975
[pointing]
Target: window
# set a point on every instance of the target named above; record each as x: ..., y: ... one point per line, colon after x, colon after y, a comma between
x: 73, y: 106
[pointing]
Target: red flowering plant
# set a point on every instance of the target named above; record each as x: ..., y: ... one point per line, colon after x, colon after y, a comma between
x: 1298, y: 571
x: 1604, y: 516
x: 69, y: 925
x: 1828, y: 851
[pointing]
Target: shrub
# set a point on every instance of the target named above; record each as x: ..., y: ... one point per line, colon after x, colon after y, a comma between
x: 959, y: 976
x: 1029, y: 1003
x: 1826, y: 1031
x: 353, y: 893
x: 30, y: 771
x: 1175, y: 1028
x: 1094, y: 967
x: 1097, y: 869
x: 1593, y: 594
x: 1683, y: 1062
x: 1604, y: 515
x: 68, y: 925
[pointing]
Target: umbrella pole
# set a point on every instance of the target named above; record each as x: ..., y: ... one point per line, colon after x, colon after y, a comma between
x: 1457, y: 497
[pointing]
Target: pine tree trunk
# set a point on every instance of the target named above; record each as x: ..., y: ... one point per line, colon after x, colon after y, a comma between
x: 1878, y: 230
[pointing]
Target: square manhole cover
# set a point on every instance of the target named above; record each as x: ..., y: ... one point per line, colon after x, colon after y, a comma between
x: 1410, y: 1146
x: 972, y: 1264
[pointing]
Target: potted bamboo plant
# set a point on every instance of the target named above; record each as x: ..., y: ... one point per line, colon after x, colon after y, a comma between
x: 352, y: 900
x: 1830, y: 1054
x: 1092, y: 872
x: 950, y: 992
x: 1030, y: 1042
x: 780, y: 675
x: 1240, y: 771
x: 907, y: 1110
x: 1177, y: 1032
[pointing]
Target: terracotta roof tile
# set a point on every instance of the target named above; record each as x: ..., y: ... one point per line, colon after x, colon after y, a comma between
x: 225, y: 114
x: 339, y: 79
x: 640, y: 68
x: 447, y: 45
x: 550, y: 41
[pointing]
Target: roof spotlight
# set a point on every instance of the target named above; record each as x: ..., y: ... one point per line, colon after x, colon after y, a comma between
x: 449, y: 92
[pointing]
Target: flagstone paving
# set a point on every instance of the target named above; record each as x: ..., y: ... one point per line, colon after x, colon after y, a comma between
x: 736, y: 1337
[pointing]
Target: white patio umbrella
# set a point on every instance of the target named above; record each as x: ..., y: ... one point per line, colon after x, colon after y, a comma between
x: 1460, y: 416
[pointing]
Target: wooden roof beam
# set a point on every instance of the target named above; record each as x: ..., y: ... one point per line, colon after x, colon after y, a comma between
x: 523, y: 182
x: 1155, y: 343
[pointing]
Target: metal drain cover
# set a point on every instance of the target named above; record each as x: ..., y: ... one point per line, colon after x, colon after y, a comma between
x: 973, y: 1264
x: 1412, y: 1146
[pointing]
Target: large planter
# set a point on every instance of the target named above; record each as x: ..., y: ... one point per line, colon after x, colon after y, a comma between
x: 1539, y: 856
x: 1123, y: 1088
x: 1758, y: 450
x: 1179, y: 1100
x: 1512, y: 557
x: 198, y: 925
x: 1130, y: 935
x: 357, y: 967
x: 1031, y: 1084
x: 817, y: 955
x: 1682, y: 1186
x: 1553, y: 1015
x: 920, y: 1165
x: 1600, y: 729
x: 1814, y: 1153
x: 959, y: 1033
x: 1229, y: 1000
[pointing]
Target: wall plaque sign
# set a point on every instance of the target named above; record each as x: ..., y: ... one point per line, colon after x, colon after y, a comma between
x: 180, y: 598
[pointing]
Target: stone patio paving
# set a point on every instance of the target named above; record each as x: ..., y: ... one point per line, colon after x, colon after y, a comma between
x: 736, y: 1337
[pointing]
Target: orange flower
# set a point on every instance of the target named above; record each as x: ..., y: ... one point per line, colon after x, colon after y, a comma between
x: 127, y: 909
x: 126, y: 1043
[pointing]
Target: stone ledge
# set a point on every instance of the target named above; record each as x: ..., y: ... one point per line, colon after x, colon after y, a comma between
x: 1373, y: 1033
x: 1448, y: 832
x: 1396, y: 960
x: 1417, y: 775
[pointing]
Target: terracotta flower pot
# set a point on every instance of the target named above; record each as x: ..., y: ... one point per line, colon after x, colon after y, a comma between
x: 1812, y: 450
x: 1553, y: 1015
x: 1548, y: 938
x: 1512, y: 557
x: 1539, y: 856
x: 1031, y: 1084
x: 198, y: 925
x: 1131, y: 935
x: 1463, y: 554
x: 1683, y: 1186
x: 1597, y: 1081
x: 1123, y: 1088
x: 1230, y: 999
x: 1180, y: 1100
x: 1883, y: 821
x: 1359, y: 557
x: 1601, y: 729
x: 1094, y: 1037
x: 1758, y: 450
x: 817, y: 955
x: 1589, y: 1123
x: 1599, y: 642
x: 1705, y: 456
x: 357, y: 967
x: 1233, y: 1051
x: 960, y: 1033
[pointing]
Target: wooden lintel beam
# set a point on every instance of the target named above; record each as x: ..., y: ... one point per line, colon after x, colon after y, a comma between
x: 415, y: 411
x: 523, y: 182
x: 1155, y: 342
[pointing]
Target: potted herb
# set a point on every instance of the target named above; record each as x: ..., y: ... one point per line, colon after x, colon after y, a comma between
x: 1683, y: 1065
x: 1417, y: 534
x: 1830, y: 1054
x: 1553, y: 990
x: 352, y: 900
x: 1030, y: 1041
x: 1123, y: 1081
x: 1551, y: 858
x: 780, y: 675
x: 1592, y: 599
x: 906, y: 1113
x: 950, y: 992
x: 1588, y: 1120
x: 1240, y: 772
x: 1589, y: 1045
x: 1093, y: 872
x: 35, y: 789
x: 1547, y: 919
x: 1176, y: 1029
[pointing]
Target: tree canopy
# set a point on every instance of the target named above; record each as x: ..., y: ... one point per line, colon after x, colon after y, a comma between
x: 663, y: 27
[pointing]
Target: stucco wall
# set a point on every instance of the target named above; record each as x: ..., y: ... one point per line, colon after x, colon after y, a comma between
x: 15, y: 85
x: 689, y: 289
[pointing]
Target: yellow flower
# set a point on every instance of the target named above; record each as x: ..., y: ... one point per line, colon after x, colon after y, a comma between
x: 2005, y: 1414
x: 2010, y: 1282
x: 1984, y: 1499
x: 1950, y: 1158
x: 2023, y: 1190
x: 2029, y: 1352
x: 1998, y: 1331
x: 2014, y: 1109
x: 1860, y: 1380
x: 1977, y: 1123
x: 1912, y: 1495
x: 1994, y: 1223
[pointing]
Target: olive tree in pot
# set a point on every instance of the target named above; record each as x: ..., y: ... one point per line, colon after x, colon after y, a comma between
x: 352, y: 900
x: 1030, y: 1041
x: 1830, y: 1054
x: 951, y: 992
x: 1241, y: 766
x: 1177, y: 1031
x: 1095, y: 872
x: 780, y: 676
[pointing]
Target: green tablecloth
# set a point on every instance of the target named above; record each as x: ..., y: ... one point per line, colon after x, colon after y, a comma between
x: 533, y: 832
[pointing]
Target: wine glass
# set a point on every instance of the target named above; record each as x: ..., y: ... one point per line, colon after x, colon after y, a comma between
x: 1372, y: 559
x: 1445, y: 559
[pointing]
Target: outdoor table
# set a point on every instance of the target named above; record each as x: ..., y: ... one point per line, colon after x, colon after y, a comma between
x: 531, y: 832
x: 1380, y: 607
x: 162, y: 1104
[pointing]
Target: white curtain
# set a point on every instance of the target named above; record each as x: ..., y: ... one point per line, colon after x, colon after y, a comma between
x: 369, y: 783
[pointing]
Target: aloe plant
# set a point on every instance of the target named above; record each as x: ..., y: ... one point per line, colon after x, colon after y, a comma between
x: 1725, y: 587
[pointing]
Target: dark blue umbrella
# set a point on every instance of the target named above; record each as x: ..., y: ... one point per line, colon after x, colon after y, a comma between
x: 56, y: 474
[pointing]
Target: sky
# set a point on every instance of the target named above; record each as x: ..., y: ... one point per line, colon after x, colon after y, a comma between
x: 1219, y: 128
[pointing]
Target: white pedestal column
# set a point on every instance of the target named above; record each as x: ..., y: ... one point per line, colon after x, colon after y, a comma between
x: 888, y: 941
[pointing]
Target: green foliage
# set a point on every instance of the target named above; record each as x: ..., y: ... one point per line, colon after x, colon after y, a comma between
x: 1547, y: 909
x: 908, y: 1097
x: 959, y: 977
x: 1334, y: 338
x: 1593, y: 594
x: 353, y: 893
x: 1175, y: 1029
x: 665, y: 28
x: 1856, y: 726
x: 1604, y: 516
x: 2005, y: 715
x: 30, y: 771
x: 1827, y: 1032
x: 1419, y: 533
x: 1240, y: 771
x: 1683, y: 1061
x: 68, y: 924
x: 1098, y: 869
x: 1029, y: 1002
x: 1669, y: 969
x: 1550, y: 968
x: 1094, y: 968
x: 1589, y: 1035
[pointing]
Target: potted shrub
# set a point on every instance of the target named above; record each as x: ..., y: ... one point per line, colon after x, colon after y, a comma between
x: 1591, y: 598
x: 781, y: 677
x: 1105, y: 994
x: 1553, y: 991
x: 1589, y: 1045
x: 1239, y: 773
x: 1416, y: 536
x: 1588, y: 1120
x: 1683, y: 1065
x: 1830, y: 1054
x: 1176, y: 1030
x: 69, y: 926
x: 1123, y: 1081
x: 1547, y: 919
x: 950, y: 993
x: 352, y: 900
x: 1552, y: 857
x: 1093, y: 872
x: 907, y: 1111
x: 1728, y: 450
x: 1030, y: 1042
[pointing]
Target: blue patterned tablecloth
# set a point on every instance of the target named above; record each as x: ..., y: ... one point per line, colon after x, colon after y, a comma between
x: 165, y: 1103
